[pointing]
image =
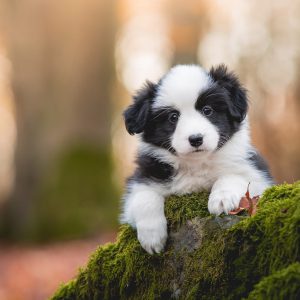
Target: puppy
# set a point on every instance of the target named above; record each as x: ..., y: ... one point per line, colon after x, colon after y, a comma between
x: 193, y: 135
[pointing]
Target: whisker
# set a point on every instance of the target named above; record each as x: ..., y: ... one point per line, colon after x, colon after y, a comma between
x: 168, y: 145
x: 155, y: 117
x: 165, y: 110
x: 210, y: 95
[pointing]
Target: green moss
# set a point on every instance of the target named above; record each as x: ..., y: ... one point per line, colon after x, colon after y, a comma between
x: 268, y: 241
x: 68, y: 291
x: 284, y: 284
x: 179, y: 209
x: 203, y: 259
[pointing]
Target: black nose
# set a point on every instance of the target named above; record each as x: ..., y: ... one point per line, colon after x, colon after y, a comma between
x: 196, y: 140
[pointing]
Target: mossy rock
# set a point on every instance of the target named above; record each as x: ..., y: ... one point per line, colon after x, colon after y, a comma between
x: 229, y: 257
x: 283, y: 284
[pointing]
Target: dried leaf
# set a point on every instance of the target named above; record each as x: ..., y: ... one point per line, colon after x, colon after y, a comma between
x: 244, y: 202
x: 236, y: 211
x: 247, y: 203
x: 253, y: 206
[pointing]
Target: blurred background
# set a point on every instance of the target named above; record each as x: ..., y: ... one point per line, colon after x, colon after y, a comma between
x: 67, y: 70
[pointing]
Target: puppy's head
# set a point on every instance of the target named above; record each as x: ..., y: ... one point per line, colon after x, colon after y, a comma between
x: 189, y: 110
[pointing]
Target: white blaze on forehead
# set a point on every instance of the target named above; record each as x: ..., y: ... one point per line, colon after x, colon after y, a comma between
x: 181, y: 86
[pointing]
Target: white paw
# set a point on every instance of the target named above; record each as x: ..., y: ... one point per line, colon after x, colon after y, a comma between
x: 152, y: 234
x: 224, y: 200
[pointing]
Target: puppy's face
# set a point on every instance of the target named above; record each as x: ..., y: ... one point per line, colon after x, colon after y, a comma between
x: 189, y: 110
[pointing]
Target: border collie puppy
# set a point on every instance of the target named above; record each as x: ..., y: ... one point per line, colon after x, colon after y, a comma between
x: 193, y: 135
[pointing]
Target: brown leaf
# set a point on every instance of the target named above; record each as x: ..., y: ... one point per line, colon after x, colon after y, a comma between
x: 253, y: 207
x: 247, y: 203
x: 244, y: 202
x: 236, y: 211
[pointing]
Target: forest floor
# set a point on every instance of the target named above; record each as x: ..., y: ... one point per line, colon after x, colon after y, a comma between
x: 35, y: 272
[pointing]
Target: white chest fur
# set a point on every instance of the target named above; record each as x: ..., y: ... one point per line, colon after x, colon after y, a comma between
x: 193, y: 175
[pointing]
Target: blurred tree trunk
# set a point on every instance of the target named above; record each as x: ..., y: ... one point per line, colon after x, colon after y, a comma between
x: 188, y: 24
x: 62, y: 60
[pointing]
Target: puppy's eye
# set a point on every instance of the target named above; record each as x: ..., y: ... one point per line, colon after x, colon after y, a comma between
x: 207, y: 110
x: 173, y: 117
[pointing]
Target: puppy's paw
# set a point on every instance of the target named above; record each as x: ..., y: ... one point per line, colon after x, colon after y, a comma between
x: 152, y: 234
x: 223, y: 200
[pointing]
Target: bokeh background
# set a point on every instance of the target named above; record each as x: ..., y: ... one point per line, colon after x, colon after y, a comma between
x: 67, y: 70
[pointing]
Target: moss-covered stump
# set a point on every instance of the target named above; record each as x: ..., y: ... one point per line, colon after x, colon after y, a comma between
x: 228, y: 257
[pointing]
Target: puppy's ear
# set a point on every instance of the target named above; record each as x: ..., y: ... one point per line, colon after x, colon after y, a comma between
x: 238, y: 105
x: 136, y: 115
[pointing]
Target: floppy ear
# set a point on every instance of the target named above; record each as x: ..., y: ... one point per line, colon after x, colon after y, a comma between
x: 136, y: 114
x: 238, y: 104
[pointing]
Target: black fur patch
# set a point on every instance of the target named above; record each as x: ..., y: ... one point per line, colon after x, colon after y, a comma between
x: 238, y: 104
x: 218, y: 98
x: 159, y: 130
x: 151, y: 168
x: 136, y: 115
x: 139, y: 117
x: 228, y: 99
x: 257, y: 160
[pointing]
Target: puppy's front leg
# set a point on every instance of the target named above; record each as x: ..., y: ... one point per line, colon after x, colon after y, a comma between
x: 144, y: 209
x: 226, y: 194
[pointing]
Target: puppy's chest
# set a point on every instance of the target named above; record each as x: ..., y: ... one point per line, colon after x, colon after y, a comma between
x: 193, y: 177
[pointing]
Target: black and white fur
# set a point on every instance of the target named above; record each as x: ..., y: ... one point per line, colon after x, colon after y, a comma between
x: 193, y: 135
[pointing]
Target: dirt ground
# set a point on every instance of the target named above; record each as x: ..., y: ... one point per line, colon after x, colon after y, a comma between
x: 35, y: 272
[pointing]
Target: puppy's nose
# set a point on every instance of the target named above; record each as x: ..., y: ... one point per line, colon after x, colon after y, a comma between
x: 196, y: 140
